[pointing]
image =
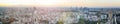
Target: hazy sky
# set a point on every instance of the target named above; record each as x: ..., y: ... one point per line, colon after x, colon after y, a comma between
x: 60, y: 2
x: 103, y: 2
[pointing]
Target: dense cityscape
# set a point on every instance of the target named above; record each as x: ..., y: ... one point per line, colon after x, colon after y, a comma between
x: 59, y: 15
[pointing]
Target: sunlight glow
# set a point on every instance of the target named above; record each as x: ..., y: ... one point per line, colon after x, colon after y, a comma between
x: 48, y: 2
x: 40, y: 2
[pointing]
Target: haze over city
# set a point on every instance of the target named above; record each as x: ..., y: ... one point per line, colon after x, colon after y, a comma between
x: 60, y: 2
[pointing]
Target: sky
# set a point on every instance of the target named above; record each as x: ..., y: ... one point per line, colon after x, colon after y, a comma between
x: 60, y: 2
